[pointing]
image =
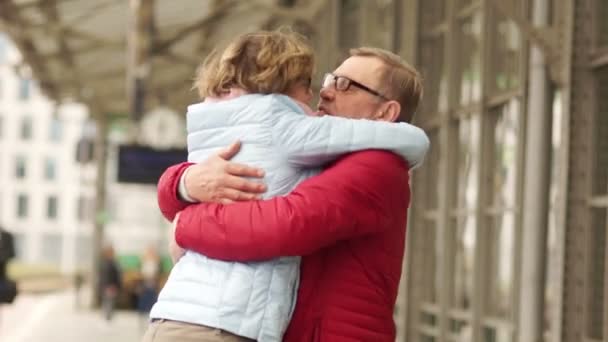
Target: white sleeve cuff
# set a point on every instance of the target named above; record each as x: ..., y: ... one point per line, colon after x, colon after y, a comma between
x: 182, y: 191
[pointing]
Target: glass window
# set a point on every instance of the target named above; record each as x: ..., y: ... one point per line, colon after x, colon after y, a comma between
x: 602, y: 23
x: 506, y: 43
x: 50, y: 169
x: 464, y: 3
x: 499, y: 275
x: 596, y: 275
x: 432, y: 13
x: 433, y: 71
x: 463, y: 261
x: 20, y: 240
x: 84, y: 252
x: 26, y: 128
x: 552, y: 271
x: 24, y: 89
x: 433, y: 253
x: 600, y: 179
x: 84, y: 208
x: 22, y: 206
x: 55, y: 130
x: 504, y: 162
x: 350, y: 20
x: 51, y: 207
x: 468, y: 163
x: 469, y: 59
x: 429, y: 173
x: 52, y: 248
x: 20, y: 167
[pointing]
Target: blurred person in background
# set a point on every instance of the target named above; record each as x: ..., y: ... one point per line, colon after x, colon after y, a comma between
x: 8, y: 288
x: 258, y: 90
x: 151, y: 268
x: 348, y: 223
x: 109, y: 281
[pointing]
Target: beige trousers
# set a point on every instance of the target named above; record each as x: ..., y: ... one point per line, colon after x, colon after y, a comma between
x: 172, y: 331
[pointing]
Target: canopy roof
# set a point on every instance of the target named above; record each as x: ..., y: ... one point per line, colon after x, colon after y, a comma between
x: 94, y: 51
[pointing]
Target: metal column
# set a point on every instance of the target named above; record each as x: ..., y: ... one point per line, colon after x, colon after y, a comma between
x: 536, y: 189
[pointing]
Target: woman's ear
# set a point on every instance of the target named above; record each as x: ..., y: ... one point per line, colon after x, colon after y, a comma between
x: 389, y: 111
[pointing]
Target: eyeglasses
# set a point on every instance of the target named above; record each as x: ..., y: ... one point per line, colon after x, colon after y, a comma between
x: 342, y: 83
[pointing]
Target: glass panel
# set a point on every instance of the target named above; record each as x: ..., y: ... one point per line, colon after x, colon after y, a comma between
x: 432, y: 13
x: 24, y: 89
x: 469, y: 59
x: 52, y: 248
x: 602, y: 23
x: 496, y: 335
x: 463, y: 249
x: 600, y: 181
x: 55, y: 130
x: 20, y: 167
x: 428, y: 319
x: 464, y: 3
x: 552, y: 279
x: 50, y: 169
x: 431, y: 272
x: 84, y: 252
x: 349, y: 23
x: 460, y: 330
x: 597, y: 269
x: 506, y: 130
x: 430, y: 173
x: 426, y: 338
x: 51, y: 207
x: 468, y: 163
x: 506, y: 44
x: 26, y: 128
x: 20, y: 244
x: 499, y: 273
x: 433, y: 71
x: 22, y: 205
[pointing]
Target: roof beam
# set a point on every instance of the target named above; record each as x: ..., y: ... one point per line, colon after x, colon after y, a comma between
x: 216, y: 13
x: 18, y: 31
x: 140, y: 37
x: 49, y: 8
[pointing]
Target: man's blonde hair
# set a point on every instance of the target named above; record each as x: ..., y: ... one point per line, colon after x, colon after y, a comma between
x: 259, y: 62
x: 400, y: 81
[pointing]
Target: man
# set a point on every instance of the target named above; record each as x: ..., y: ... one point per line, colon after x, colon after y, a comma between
x: 348, y: 223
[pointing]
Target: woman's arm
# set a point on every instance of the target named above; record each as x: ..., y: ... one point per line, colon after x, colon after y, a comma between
x: 313, y: 141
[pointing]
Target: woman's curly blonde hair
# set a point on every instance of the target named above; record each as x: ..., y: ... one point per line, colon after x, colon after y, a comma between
x: 259, y: 62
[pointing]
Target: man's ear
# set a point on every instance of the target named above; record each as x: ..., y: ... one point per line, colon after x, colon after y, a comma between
x: 389, y: 111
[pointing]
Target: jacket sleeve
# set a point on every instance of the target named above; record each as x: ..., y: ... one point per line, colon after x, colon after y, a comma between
x: 314, y: 141
x: 362, y: 193
x: 168, y: 199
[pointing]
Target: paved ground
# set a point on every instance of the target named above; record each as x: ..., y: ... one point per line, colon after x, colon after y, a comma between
x: 53, y: 317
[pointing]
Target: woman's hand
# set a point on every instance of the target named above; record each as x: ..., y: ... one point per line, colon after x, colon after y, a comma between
x: 218, y: 180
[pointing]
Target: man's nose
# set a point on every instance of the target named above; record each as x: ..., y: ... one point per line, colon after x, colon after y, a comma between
x: 327, y: 93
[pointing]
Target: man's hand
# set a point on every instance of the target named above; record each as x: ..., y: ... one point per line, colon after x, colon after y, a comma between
x: 218, y: 180
x: 175, y: 251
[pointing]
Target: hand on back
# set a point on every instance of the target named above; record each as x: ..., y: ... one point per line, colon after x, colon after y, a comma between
x: 218, y: 180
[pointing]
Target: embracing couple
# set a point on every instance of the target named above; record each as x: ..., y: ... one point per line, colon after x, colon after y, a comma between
x: 312, y: 251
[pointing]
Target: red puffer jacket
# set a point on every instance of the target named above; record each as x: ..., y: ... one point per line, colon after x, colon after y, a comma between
x: 348, y: 223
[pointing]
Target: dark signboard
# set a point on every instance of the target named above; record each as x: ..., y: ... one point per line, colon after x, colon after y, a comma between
x: 145, y: 165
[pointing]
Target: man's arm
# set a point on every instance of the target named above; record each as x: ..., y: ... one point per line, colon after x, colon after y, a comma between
x: 168, y: 199
x: 214, y: 180
x: 362, y: 193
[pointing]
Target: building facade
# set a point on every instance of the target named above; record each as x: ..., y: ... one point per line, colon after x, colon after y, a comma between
x: 507, y: 235
x: 46, y: 196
